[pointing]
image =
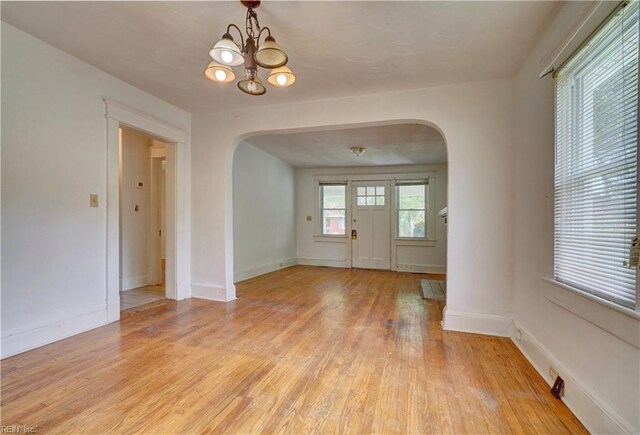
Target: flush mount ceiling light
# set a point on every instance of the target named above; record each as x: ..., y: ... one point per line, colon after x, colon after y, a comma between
x: 358, y: 150
x: 250, y: 54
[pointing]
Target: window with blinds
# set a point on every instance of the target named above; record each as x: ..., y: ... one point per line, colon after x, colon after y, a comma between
x: 596, y: 162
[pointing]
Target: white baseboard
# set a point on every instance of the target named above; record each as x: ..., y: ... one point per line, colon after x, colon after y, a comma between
x: 421, y: 268
x: 322, y: 262
x: 134, y: 282
x: 488, y: 324
x: 596, y: 416
x: 252, y: 272
x: 21, y: 341
x: 216, y: 293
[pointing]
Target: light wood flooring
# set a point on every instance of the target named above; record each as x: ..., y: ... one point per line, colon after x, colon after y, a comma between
x: 302, y: 350
x: 141, y: 296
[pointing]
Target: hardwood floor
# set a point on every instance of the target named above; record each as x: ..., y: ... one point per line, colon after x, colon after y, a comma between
x: 302, y: 350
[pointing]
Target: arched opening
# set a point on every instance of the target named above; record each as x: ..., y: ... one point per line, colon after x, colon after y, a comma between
x: 304, y: 197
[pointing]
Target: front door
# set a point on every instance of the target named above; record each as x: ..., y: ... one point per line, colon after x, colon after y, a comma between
x: 371, y: 226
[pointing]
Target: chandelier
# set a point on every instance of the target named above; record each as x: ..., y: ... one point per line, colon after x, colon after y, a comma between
x: 251, y: 54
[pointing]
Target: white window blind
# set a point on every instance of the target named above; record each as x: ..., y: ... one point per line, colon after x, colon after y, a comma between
x: 596, y: 162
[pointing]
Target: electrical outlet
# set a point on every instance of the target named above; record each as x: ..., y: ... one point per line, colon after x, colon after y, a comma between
x: 553, y: 373
x: 518, y: 334
x: 93, y: 200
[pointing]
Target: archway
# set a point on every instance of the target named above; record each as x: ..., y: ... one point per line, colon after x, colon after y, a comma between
x: 408, y: 252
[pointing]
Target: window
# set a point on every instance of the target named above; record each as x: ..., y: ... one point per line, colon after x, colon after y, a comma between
x: 370, y: 196
x: 596, y: 162
x: 333, y: 200
x: 412, y: 209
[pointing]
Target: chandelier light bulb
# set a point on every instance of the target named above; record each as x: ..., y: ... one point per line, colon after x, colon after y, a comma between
x: 219, y: 73
x: 270, y: 54
x: 226, y: 56
x: 227, y: 52
x: 281, y: 77
x: 251, y: 83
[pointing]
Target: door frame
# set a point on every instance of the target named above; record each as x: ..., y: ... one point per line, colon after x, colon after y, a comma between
x: 176, y: 191
x: 353, y: 185
x: 155, y: 242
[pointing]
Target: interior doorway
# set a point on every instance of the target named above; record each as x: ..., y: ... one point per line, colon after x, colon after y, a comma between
x: 142, y: 204
x: 371, y: 225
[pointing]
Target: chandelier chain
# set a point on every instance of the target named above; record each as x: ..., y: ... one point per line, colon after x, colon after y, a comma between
x: 252, y: 17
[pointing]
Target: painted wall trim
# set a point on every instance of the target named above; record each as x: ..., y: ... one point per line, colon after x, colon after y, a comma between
x: 592, y: 411
x: 621, y: 322
x: 216, y: 293
x: 178, y: 237
x: 489, y: 324
x: 322, y: 262
x: 272, y: 266
x: 421, y: 268
x: 18, y: 342
x: 141, y: 121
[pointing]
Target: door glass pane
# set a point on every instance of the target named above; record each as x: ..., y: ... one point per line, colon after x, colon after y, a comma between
x: 411, y: 223
x: 379, y: 200
x: 333, y: 197
x: 362, y: 191
x: 362, y: 200
x: 379, y: 190
x: 412, y: 197
x: 371, y: 190
x: 371, y: 200
x: 333, y: 221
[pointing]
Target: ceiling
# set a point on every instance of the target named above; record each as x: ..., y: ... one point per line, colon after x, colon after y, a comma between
x: 400, y: 144
x: 335, y: 48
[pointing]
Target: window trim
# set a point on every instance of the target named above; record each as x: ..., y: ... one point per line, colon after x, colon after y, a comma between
x: 428, y: 235
x: 615, y: 319
x: 611, y: 305
x: 319, y: 227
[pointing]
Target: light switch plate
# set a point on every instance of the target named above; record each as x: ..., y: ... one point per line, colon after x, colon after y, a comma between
x: 308, y: 218
x: 93, y: 200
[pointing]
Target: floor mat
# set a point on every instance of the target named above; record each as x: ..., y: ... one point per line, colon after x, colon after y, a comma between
x: 434, y: 289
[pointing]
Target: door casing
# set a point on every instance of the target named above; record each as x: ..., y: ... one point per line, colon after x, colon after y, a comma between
x: 371, y: 249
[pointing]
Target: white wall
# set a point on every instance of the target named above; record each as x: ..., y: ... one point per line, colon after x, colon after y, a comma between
x: 406, y: 256
x: 601, y: 370
x: 476, y: 120
x: 135, y: 225
x: 53, y: 157
x: 263, y: 213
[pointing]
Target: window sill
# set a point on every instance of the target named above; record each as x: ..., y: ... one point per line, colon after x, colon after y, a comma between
x: 620, y: 321
x: 408, y: 241
x: 331, y: 239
